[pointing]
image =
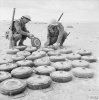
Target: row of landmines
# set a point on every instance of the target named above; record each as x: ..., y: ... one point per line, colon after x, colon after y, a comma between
x: 23, y: 67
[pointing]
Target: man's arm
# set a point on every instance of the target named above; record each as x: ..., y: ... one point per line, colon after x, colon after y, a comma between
x: 26, y: 29
x: 61, y: 33
x: 19, y: 30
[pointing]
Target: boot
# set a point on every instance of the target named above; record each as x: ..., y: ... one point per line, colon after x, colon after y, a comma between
x: 21, y: 43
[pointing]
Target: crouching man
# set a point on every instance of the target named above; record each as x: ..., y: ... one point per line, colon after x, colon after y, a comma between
x: 56, y: 35
x: 20, y: 33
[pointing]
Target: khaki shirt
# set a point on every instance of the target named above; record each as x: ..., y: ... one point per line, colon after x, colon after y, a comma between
x: 57, y: 31
x: 19, y: 28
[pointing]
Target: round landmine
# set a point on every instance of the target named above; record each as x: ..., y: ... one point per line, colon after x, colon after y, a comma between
x: 6, y: 60
x: 73, y: 56
x: 42, y: 61
x: 61, y: 76
x: 12, y: 51
x: 21, y: 48
x: 12, y: 86
x: 31, y: 49
x: 82, y: 72
x: 53, y: 53
x: 47, y: 49
x: 8, y: 67
x: 36, y: 55
x: 25, y: 63
x: 40, y: 53
x: 89, y: 58
x: 4, y: 75
x: 23, y: 53
x: 39, y: 82
x: 65, y: 51
x: 22, y: 72
x: 66, y: 66
x: 44, y: 70
x: 18, y: 58
x: 84, y: 52
x: 57, y: 58
x: 80, y: 63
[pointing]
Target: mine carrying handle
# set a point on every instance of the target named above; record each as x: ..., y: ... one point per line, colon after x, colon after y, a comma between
x: 60, y: 17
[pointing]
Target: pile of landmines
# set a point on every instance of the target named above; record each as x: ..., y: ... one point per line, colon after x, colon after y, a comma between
x: 28, y: 67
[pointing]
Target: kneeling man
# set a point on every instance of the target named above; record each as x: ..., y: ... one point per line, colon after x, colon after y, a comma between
x: 56, y: 35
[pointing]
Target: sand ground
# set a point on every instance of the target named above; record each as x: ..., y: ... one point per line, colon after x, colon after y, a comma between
x: 83, y: 35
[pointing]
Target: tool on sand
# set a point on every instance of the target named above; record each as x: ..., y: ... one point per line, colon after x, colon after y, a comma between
x: 11, y: 44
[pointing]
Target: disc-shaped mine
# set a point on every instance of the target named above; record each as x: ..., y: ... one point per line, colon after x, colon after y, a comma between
x: 12, y: 51
x: 84, y: 52
x: 22, y: 72
x: 73, y: 56
x: 83, y: 72
x: 12, y: 86
x: 80, y: 63
x: 89, y: 58
x: 42, y: 61
x: 39, y: 82
x: 21, y: 48
x: 25, y: 63
x: 44, y: 70
x: 23, y: 53
x: 8, y: 66
x: 31, y: 49
x: 57, y: 58
x: 66, y: 65
x: 61, y: 76
x: 4, y: 75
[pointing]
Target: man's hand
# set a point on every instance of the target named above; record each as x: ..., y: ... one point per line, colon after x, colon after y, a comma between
x: 46, y: 44
x: 30, y: 35
x: 56, y: 45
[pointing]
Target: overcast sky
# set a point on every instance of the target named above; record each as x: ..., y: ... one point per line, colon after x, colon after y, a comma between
x: 45, y: 10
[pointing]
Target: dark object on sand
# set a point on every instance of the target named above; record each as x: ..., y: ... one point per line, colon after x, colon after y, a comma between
x: 35, y: 42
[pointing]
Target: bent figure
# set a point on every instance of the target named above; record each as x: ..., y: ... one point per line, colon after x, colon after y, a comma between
x: 20, y: 33
x: 56, y: 35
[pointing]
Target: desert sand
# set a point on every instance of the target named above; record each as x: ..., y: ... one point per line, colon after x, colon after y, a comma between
x: 83, y: 35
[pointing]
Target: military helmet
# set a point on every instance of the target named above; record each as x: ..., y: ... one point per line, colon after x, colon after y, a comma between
x: 27, y: 16
x: 53, y: 22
